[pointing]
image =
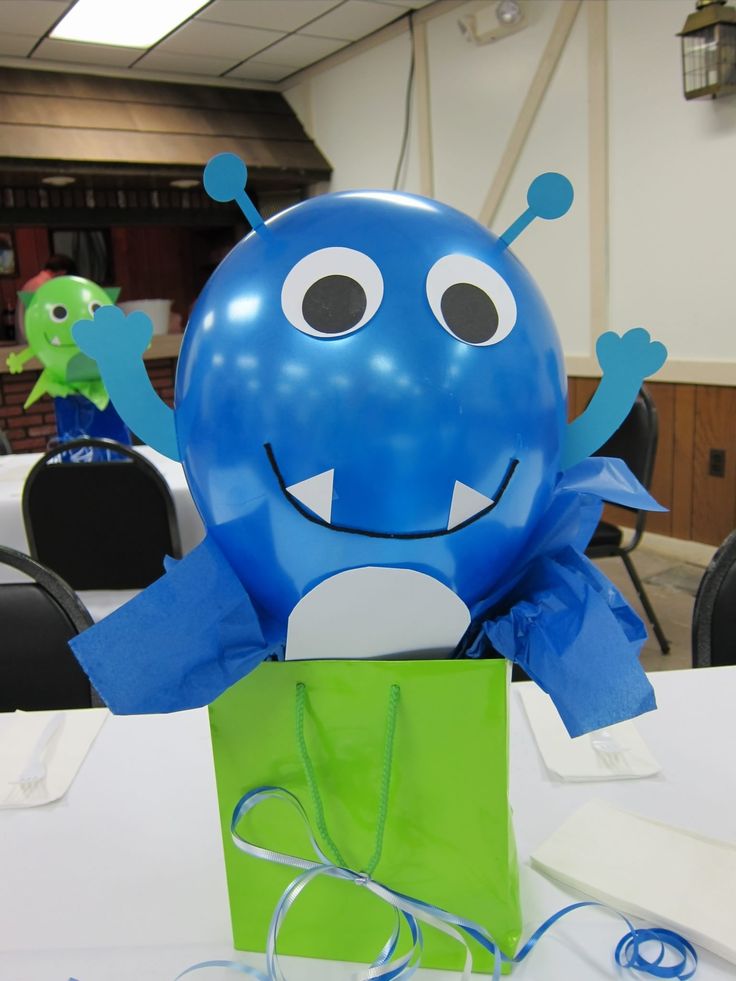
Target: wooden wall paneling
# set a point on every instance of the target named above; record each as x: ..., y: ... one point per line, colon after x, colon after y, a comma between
x: 109, y: 121
x: 585, y: 389
x: 131, y: 146
x: 155, y: 262
x: 121, y: 266
x: 713, y: 497
x: 662, y: 479
x: 104, y: 114
x: 572, y: 398
x: 31, y: 251
x: 683, y: 450
x: 82, y: 87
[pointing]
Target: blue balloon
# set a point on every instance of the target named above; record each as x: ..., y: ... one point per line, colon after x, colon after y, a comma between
x: 373, y: 381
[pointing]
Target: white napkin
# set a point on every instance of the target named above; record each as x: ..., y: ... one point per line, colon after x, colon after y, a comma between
x: 669, y: 876
x: 63, y: 757
x: 615, y: 753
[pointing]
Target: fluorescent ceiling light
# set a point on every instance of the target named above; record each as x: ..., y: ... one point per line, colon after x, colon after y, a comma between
x: 125, y: 24
x: 58, y: 180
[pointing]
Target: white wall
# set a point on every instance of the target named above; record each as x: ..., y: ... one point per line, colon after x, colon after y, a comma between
x: 673, y: 248
x: 670, y: 163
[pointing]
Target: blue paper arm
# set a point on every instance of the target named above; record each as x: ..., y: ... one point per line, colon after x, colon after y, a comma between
x: 117, y: 343
x: 626, y: 361
x: 178, y: 644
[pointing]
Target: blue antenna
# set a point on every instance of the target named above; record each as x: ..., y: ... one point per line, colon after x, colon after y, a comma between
x: 225, y: 177
x: 549, y: 196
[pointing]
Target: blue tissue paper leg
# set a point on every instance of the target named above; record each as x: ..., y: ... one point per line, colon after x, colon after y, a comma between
x: 577, y: 637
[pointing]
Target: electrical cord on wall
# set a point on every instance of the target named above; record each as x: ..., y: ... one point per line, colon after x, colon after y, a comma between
x: 407, y: 107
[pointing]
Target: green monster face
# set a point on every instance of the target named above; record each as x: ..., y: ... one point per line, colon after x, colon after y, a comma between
x: 50, y: 313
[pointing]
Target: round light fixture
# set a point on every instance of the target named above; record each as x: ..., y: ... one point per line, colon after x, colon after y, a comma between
x: 509, y: 12
x: 58, y: 180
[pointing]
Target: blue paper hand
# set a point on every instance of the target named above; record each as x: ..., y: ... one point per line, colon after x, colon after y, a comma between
x: 634, y: 355
x: 117, y: 343
x: 626, y: 361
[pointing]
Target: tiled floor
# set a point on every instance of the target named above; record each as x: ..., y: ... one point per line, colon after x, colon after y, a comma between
x: 671, y: 584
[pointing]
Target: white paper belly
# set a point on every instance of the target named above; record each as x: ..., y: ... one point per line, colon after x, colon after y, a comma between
x: 376, y: 612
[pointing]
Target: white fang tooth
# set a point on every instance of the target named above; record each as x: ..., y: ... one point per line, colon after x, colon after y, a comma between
x: 56, y: 342
x: 466, y: 502
x: 316, y: 493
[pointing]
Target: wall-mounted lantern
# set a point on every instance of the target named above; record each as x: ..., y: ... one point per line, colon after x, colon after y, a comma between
x: 709, y: 50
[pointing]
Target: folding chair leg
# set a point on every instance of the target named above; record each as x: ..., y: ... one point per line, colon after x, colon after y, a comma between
x: 648, y: 608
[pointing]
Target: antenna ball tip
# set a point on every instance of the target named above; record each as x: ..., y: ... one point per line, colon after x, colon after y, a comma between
x: 224, y: 177
x: 550, y: 195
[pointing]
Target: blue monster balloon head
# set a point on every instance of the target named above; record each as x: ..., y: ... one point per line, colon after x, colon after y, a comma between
x: 371, y: 379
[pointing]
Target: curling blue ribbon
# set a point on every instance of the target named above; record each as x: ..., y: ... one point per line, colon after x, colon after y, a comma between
x: 412, y: 912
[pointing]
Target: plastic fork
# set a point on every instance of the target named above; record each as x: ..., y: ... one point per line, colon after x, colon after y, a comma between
x: 35, y: 769
x: 604, y: 741
x: 610, y: 750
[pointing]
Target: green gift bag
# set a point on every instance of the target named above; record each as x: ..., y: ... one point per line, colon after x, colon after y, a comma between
x: 438, y: 820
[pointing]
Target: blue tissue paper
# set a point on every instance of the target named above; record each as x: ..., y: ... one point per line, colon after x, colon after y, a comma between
x: 178, y: 644
x: 196, y: 631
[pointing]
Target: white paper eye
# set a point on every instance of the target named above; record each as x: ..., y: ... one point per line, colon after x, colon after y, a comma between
x: 471, y: 300
x: 58, y: 313
x: 92, y: 306
x: 332, y: 292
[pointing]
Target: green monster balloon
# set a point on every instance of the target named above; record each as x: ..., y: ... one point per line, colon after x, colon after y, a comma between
x: 50, y: 313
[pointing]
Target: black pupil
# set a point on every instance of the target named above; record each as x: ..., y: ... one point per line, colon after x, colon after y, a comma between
x: 59, y: 313
x: 469, y: 312
x: 334, y: 304
x: 94, y: 306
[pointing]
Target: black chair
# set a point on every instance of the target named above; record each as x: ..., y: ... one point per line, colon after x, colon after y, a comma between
x: 37, y: 669
x: 634, y: 442
x: 714, y: 613
x: 5, y: 447
x: 100, y: 524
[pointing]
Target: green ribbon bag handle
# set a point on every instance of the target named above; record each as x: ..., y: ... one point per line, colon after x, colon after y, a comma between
x: 311, y: 776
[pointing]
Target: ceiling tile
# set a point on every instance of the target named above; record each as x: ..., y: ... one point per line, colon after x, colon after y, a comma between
x: 26, y: 17
x: 174, y: 61
x: 16, y: 45
x: 85, y: 54
x: 298, y: 50
x: 261, y: 71
x: 218, y: 40
x: 278, y: 15
x: 354, y: 20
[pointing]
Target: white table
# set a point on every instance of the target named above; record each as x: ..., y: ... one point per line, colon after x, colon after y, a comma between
x: 123, y: 879
x: 14, y: 469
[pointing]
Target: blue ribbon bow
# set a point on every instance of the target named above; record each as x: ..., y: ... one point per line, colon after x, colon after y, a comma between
x: 412, y: 912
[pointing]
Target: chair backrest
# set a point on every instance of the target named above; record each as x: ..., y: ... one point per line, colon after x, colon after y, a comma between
x: 635, y: 440
x: 714, y: 613
x: 37, y: 668
x: 100, y: 524
x: 5, y: 447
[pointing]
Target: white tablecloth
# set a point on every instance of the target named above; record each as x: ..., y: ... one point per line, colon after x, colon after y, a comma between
x: 13, y: 471
x: 124, y: 878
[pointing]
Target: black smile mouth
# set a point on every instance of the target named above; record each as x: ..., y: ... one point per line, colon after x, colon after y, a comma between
x: 59, y: 344
x: 436, y: 533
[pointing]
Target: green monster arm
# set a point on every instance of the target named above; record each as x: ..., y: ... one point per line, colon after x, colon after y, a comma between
x: 17, y: 359
x: 117, y: 343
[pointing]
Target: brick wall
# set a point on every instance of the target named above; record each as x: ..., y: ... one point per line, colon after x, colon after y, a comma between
x: 29, y: 430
